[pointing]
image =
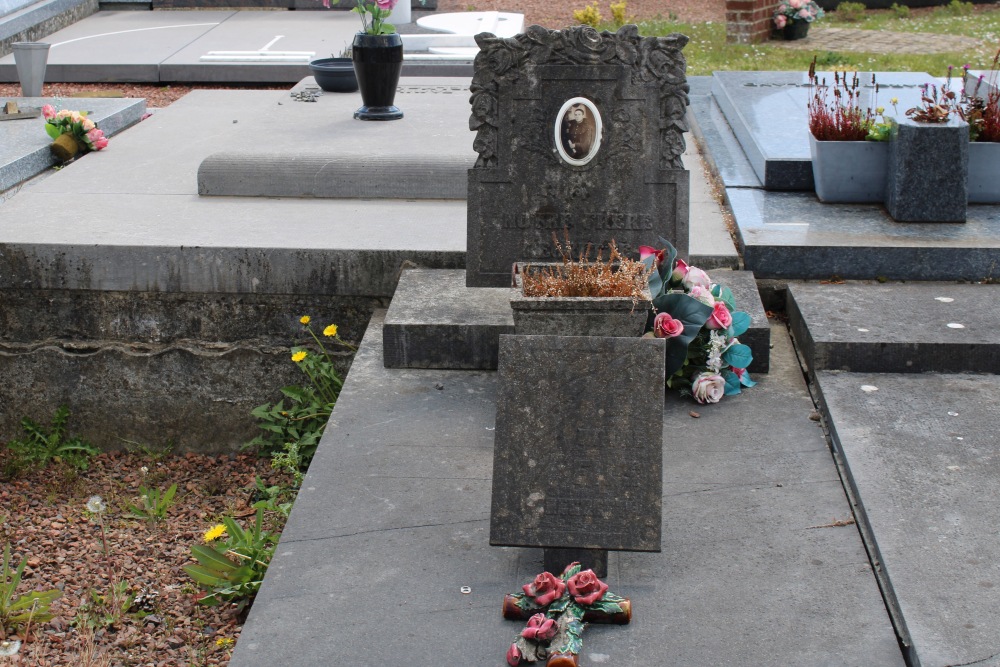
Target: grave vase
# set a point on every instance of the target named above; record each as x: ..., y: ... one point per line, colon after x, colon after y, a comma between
x: 795, y: 29
x: 65, y: 147
x: 378, y: 60
x: 984, y: 172
x: 849, y: 172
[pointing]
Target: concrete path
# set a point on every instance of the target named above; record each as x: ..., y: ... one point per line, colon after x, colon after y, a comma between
x: 855, y: 40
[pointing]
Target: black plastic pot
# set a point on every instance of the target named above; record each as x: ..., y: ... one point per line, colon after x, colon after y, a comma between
x: 378, y: 61
x: 796, y: 29
x: 334, y: 75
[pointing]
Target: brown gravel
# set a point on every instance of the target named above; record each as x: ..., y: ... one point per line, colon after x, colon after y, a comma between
x: 43, y: 517
x: 557, y: 15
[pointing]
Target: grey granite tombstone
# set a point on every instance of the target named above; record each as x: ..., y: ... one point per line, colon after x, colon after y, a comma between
x: 580, y: 131
x: 578, y: 447
x: 928, y: 179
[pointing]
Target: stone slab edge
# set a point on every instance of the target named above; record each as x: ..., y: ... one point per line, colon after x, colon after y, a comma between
x: 35, y: 162
x: 38, y: 20
x: 758, y: 336
x: 721, y: 150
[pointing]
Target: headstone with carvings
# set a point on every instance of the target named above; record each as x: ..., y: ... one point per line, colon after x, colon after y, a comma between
x: 580, y: 131
x: 578, y: 444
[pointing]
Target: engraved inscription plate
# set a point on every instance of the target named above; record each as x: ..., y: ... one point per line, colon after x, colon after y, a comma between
x: 578, y: 444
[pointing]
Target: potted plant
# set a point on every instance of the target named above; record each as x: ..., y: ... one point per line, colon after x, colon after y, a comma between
x: 71, y: 132
x: 699, y: 319
x: 377, y: 53
x: 581, y: 297
x: 335, y: 74
x: 847, y: 143
x: 981, y: 110
x: 792, y: 17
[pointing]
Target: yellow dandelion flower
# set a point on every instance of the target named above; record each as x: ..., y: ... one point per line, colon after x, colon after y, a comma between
x: 330, y: 331
x: 224, y: 642
x: 894, y: 101
x: 299, y: 356
x: 305, y: 319
x: 215, y: 532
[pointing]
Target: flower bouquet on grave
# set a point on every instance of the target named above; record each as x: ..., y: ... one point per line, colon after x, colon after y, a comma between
x: 700, y: 322
x: 71, y: 132
x: 789, y: 11
x: 556, y: 609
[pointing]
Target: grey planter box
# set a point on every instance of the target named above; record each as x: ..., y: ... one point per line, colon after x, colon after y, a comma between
x: 984, y: 172
x: 849, y: 172
x: 578, y: 316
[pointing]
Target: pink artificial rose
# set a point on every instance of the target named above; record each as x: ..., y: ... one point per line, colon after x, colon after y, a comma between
x: 586, y: 588
x: 796, y: 4
x: 804, y: 14
x: 708, y: 388
x: 702, y: 294
x: 665, y: 326
x: 648, y: 251
x: 386, y: 4
x: 95, y: 134
x: 696, y: 276
x: 540, y: 628
x: 720, y: 317
x: 680, y: 271
x: 100, y: 143
x: 545, y: 589
x: 48, y: 111
x: 780, y: 21
x: 513, y: 656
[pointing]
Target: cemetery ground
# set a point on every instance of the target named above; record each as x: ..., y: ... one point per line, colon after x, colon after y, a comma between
x: 135, y: 605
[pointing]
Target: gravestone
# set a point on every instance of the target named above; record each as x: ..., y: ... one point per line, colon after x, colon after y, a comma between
x: 579, y: 131
x: 924, y: 189
x: 578, y: 447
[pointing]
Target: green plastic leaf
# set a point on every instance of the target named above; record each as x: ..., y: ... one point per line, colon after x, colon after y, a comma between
x: 738, y: 356
x: 741, y: 322
x: 52, y: 131
x: 732, y: 383
x: 655, y: 280
x: 725, y: 295
x: 746, y: 381
x: 693, y: 314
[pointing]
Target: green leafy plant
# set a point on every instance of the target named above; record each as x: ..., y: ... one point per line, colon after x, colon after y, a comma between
x: 271, y: 497
x: 232, y: 571
x: 955, y: 8
x: 106, y: 610
x: 900, y: 11
x: 19, y: 610
x: 589, y: 15
x: 618, y: 15
x: 850, y: 11
x: 292, y: 430
x: 39, y: 447
x: 154, y: 504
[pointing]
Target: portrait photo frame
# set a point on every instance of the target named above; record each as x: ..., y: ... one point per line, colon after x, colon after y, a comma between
x: 578, y: 131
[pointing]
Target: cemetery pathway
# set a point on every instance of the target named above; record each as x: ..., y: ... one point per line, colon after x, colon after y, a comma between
x: 856, y: 40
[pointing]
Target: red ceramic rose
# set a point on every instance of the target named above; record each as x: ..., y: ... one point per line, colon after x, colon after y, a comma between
x: 513, y: 656
x: 586, y: 588
x: 545, y: 589
x: 540, y: 628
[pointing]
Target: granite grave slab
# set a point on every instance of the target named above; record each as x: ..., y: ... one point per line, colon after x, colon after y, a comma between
x: 922, y: 458
x: 768, y: 113
x: 866, y: 328
x: 579, y: 131
x: 577, y: 454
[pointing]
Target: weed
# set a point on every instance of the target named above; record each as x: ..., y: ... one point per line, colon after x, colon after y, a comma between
x: 39, y: 447
x: 20, y: 610
x: 900, y: 11
x: 107, y: 610
x: 850, y: 11
x: 589, y: 15
x: 954, y: 8
x: 154, y: 504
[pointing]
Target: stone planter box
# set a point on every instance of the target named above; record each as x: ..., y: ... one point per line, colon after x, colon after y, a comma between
x: 849, y: 172
x: 984, y: 172
x: 577, y: 316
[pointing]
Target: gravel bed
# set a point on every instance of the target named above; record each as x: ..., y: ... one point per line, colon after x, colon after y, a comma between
x: 43, y: 516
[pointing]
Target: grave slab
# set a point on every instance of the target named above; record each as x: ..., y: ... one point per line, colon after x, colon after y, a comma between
x: 768, y: 113
x: 399, y: 518
x: 923, y: 461
x: 872, y: 328
x: 435, y: 321
x: 24, y: 145
x: 576, y: 461
x: 726, y: 160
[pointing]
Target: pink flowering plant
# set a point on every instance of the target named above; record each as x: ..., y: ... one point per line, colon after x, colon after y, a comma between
x: 373, y: 15
x: 74, y: 123
x: 796, y: 10
x: 556, y: 609
x: 699, y: 320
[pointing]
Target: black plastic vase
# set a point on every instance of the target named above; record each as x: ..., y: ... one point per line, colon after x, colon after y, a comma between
x: 796, y: 29
x: 378, y: 60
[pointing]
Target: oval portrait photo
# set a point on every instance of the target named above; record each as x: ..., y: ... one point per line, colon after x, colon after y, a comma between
x: 578, y: 131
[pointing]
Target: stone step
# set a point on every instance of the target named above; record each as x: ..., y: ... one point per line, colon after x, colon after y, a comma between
x: 897, y: 328
x: 922, y: 459
x: 435, y: 321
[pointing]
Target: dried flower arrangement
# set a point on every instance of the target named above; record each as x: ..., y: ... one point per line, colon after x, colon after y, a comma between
x: 617, y: 276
